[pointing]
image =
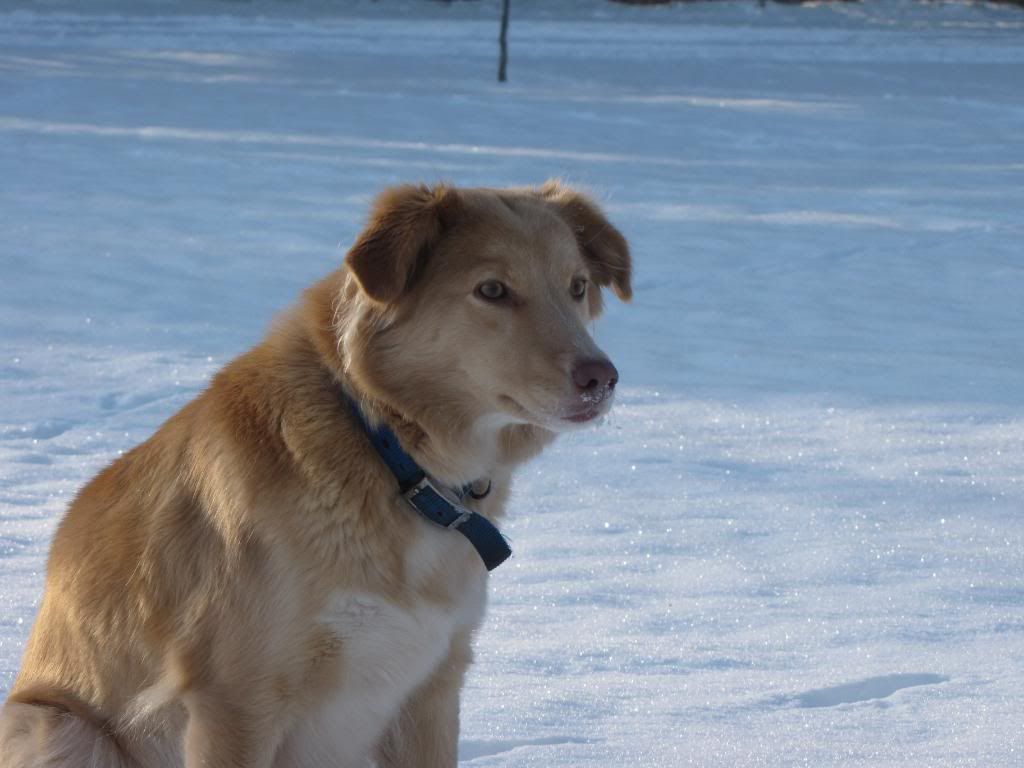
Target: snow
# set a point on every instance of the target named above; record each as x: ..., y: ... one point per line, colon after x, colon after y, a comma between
x: 798, y: 539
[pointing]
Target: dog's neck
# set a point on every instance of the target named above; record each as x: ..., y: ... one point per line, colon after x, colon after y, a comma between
x: 452, y: 445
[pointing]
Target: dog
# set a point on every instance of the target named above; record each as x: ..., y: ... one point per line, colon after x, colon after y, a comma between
x: 253, y: 586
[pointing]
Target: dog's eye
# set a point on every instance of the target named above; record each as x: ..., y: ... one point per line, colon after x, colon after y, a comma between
x: 492, y: 290
x: 578, y: 288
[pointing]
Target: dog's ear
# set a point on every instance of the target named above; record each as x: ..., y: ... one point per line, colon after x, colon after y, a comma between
x: 604, y: 247
x: 405, y: 222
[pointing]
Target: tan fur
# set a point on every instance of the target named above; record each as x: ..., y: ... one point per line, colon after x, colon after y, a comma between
x: 220, y: 592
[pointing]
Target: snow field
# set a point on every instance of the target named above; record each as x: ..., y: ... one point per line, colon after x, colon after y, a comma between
x: 798, y: 538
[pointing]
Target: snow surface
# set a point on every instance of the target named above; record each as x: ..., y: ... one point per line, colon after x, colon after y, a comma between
x: 799, y: 538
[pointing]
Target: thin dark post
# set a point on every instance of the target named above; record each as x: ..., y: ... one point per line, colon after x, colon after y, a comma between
x: 503, y: 39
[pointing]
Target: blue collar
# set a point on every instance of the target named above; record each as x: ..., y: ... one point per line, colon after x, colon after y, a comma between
x: 425, y: 497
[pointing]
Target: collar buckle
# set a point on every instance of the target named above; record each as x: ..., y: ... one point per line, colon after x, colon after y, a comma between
x: 436, y: 505
x: 417, y: 488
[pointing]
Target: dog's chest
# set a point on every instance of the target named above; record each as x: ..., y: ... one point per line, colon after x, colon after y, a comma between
x: 388, y: 648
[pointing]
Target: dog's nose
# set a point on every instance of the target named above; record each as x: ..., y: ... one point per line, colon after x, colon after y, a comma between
x: 594, y: 375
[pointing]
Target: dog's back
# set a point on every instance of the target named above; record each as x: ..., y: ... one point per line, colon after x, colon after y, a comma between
x: 118, y: 562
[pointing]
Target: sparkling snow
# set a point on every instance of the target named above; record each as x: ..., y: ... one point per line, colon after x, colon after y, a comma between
x: 799, y: 537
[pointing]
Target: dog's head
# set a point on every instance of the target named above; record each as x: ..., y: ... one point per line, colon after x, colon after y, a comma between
x: 483, y: 297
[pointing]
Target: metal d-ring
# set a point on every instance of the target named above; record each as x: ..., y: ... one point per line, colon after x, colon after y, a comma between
x: 483, y: 494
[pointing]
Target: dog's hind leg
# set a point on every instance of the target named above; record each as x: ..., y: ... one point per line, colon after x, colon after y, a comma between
x: 223, y: 733
x: 40, y: 736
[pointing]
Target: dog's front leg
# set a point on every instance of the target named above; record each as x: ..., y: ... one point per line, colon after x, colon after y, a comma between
x: 221, y: 734
x: 425, y: 733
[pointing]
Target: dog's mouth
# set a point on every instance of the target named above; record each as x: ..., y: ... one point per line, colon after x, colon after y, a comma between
x: 560, y: 418
x: 591, y: 404
x: 515, y: 409
x: 587, y: 414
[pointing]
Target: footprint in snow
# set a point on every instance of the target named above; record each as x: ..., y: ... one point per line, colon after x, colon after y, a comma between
x: 33, y: 458
x: 863, y: 690
x: 471, y: 750
x: 126, y: 401
x: 43, y: 430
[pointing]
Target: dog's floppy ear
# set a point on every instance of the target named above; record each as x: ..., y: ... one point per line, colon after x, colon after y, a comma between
x: 604, y: 247
x: 404, y: 223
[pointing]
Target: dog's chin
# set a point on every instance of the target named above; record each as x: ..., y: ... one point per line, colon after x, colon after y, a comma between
x: 565, y: 417
x: 570, y: 419
x: 581, y: 419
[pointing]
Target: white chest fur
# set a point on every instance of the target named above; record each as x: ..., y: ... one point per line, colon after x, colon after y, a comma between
x: 387, y: 650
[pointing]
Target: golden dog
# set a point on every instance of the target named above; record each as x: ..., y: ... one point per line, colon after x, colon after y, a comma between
x: 248, y: 587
